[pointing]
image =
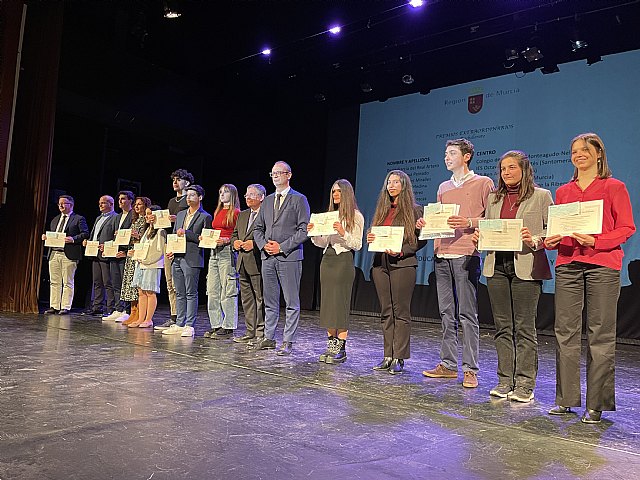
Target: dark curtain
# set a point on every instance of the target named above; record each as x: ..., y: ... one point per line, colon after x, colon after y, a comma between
x: 23, y: 216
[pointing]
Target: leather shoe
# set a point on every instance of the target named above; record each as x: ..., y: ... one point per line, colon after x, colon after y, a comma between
x: 397, y: 366
x: 591, y: 416
x: 384, y: 364
x: 265, y: 344
x: 243, y: 339
x: 92, y: 311
x: 560, y: 410
x: 285, y: 349
x: 50, y: 311
x: 64, y: 311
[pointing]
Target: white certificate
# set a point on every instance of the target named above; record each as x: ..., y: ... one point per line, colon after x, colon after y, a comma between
x: 576, y: 217
x: 176, y: 244
x: 323, y: 223
x: 435, y: 217
x: 209, y: 238
x: 387, y: 238
x: 110, y: 250
x: 92, y: 248
x: 123, y: 236
x: 501, y: 235
x: 162, y: 219
x: 140, y: 251
x: 55, y: 239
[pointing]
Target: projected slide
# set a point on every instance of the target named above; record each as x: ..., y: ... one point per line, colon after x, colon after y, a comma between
x: 536, y: 113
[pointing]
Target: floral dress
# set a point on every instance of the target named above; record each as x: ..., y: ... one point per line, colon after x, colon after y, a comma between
x: 129, y: 293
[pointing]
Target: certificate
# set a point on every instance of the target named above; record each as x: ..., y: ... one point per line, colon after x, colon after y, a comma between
x: 123, y: 236
x: 387, y: 238
x: 576, y: 217
x: 110, y: 250
x: 92, y: 248
x: 176, y: 244
x: 55, y: 239
x: 500, y: 235
x: 162, y: 219
x: 140, y: 251
x: 435, y: 218
x: 209, y: 238
x: 323, y: 223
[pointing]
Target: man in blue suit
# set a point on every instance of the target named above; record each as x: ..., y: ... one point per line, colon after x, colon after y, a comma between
x: 186, y: 266
x: 280, y: 230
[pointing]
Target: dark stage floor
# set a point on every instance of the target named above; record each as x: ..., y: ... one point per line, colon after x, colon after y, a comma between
x: 87, y: 400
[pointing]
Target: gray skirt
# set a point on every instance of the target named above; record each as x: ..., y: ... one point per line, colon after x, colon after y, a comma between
x: 336, y: 283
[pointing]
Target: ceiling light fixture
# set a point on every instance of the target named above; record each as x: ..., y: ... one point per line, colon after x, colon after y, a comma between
x: 170, y: 11
x: 532, y: 54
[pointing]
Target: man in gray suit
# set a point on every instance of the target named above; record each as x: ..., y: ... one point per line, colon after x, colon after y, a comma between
x: 280, y: 230
x: 248, y: 266
x: 186, y: 266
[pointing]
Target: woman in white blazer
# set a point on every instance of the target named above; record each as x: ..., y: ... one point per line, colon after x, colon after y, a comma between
x: 514, y: 279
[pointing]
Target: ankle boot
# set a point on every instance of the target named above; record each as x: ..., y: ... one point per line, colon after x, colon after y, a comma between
x: 133, y: 318
x: 330, y: 340
x: 338, y: 353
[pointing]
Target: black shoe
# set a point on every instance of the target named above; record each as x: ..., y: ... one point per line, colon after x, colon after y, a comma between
x: 397, y: 366
x: 285, y: 349
x: 560, y: 410
x: 222, y: 333
x: 50, y: 311
x: 93, y: 311
x: 384, y: 364
x: 265, y: 344
x: 211, y: 332
x: 64, y: 311
x: 243, y: 339
x: 252, y: 343
x: 174, y: 318
x: 165, y: 325
x: 327, y: 352
x: 591, y: 416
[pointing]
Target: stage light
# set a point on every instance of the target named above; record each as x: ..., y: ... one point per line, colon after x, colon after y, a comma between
x: 366, y: 87
x: 335, y: 30
x: 578, y: 44
x: 532, y: 54
x: 170, y: 11
x: 266, y: 52
x: 511, y: 54
x: 407, y: 79
x: 416, y: 3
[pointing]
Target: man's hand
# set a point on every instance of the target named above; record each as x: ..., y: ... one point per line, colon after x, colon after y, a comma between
x: 272, y: 247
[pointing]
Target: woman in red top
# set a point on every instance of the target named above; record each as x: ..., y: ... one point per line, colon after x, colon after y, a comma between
x: 588, y: 270
x: 222, y: 278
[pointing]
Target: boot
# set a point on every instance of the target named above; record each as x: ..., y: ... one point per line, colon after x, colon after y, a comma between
x: 330, y: 341
x: 133, y: 318
x: 338, y: 352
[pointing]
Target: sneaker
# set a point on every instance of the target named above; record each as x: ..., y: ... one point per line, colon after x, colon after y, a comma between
x: 188, y: 332
x: 470, y: 379
x: 165, y: 325
x: 123, y: 316
x: 173, y: 330
x: 521, y: 394
x: 501, y: 391
x: 112, y: 316
x: 440, y: 372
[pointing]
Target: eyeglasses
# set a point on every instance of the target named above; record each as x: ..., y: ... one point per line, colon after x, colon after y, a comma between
x: 252, y: 195
x: 63, y: 204
x: 277, y: 174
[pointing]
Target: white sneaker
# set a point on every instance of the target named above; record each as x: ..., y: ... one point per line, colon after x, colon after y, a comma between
x: 173, y: 330
x: 123, y: 316
x: 187, y: 332
x: 112, y: 316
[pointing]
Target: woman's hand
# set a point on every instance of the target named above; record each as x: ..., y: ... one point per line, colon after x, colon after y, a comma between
x: 370, y: 237
x: 584, y: 240
x: 337, y: 226
x: 392, y: 253
x: 527, y: 238
x: 553, y: 241
x: 420, y: 223
x: 309, y: 227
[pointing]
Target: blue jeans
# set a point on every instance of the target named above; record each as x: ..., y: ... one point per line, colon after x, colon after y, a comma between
x: 222, y: 289
x: 185, y: 280
x: 457, y: 283
x: 277, y: 274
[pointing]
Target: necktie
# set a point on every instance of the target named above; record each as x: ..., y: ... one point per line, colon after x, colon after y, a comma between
x: 278, y: 200
x: 252, y: 218
x: 61, y: 224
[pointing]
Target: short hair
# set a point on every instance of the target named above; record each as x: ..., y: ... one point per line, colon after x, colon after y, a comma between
x: 464, y: 145
x: 108, y: 197
x: 128, y: 193
x: 259, y: 188
x: 67, y: 197
x: 154, y: 207
x: 196, y: 188
x: 182, y: 174
x: 286, y: 165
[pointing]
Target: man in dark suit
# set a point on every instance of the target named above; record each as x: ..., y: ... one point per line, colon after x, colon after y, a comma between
x: 122, y: 221
x: 248, y: 266
x: 186, y: 266
x: 280, y: 230
x: 103, y: 231
x: 63, y: 262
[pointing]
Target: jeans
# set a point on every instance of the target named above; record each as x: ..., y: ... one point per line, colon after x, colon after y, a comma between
x: 222, y: 289
x: 185, y: 280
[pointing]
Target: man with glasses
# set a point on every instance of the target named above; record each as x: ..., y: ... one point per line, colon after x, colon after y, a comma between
x: 63, y: 262
x: 248, y: 266
x: 281, y: 229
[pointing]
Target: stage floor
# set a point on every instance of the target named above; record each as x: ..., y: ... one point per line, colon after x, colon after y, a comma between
x: 83, y: 399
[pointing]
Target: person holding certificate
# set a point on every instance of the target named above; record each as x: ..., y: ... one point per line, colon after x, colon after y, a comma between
x: 336, y: 269
x: 222, y: 278
x: 148, y: 270
x: 394, y: 272
x: 588, y: 271
x: 514, y: 278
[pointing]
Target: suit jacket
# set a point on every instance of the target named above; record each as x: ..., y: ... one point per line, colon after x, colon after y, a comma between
x: 126, y: 223
x: 77, y: 229
x: 530, y: 264
x: 250, y: 260
x: 106, y: 233
x: 288, y: 227
x: 194, y: 254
